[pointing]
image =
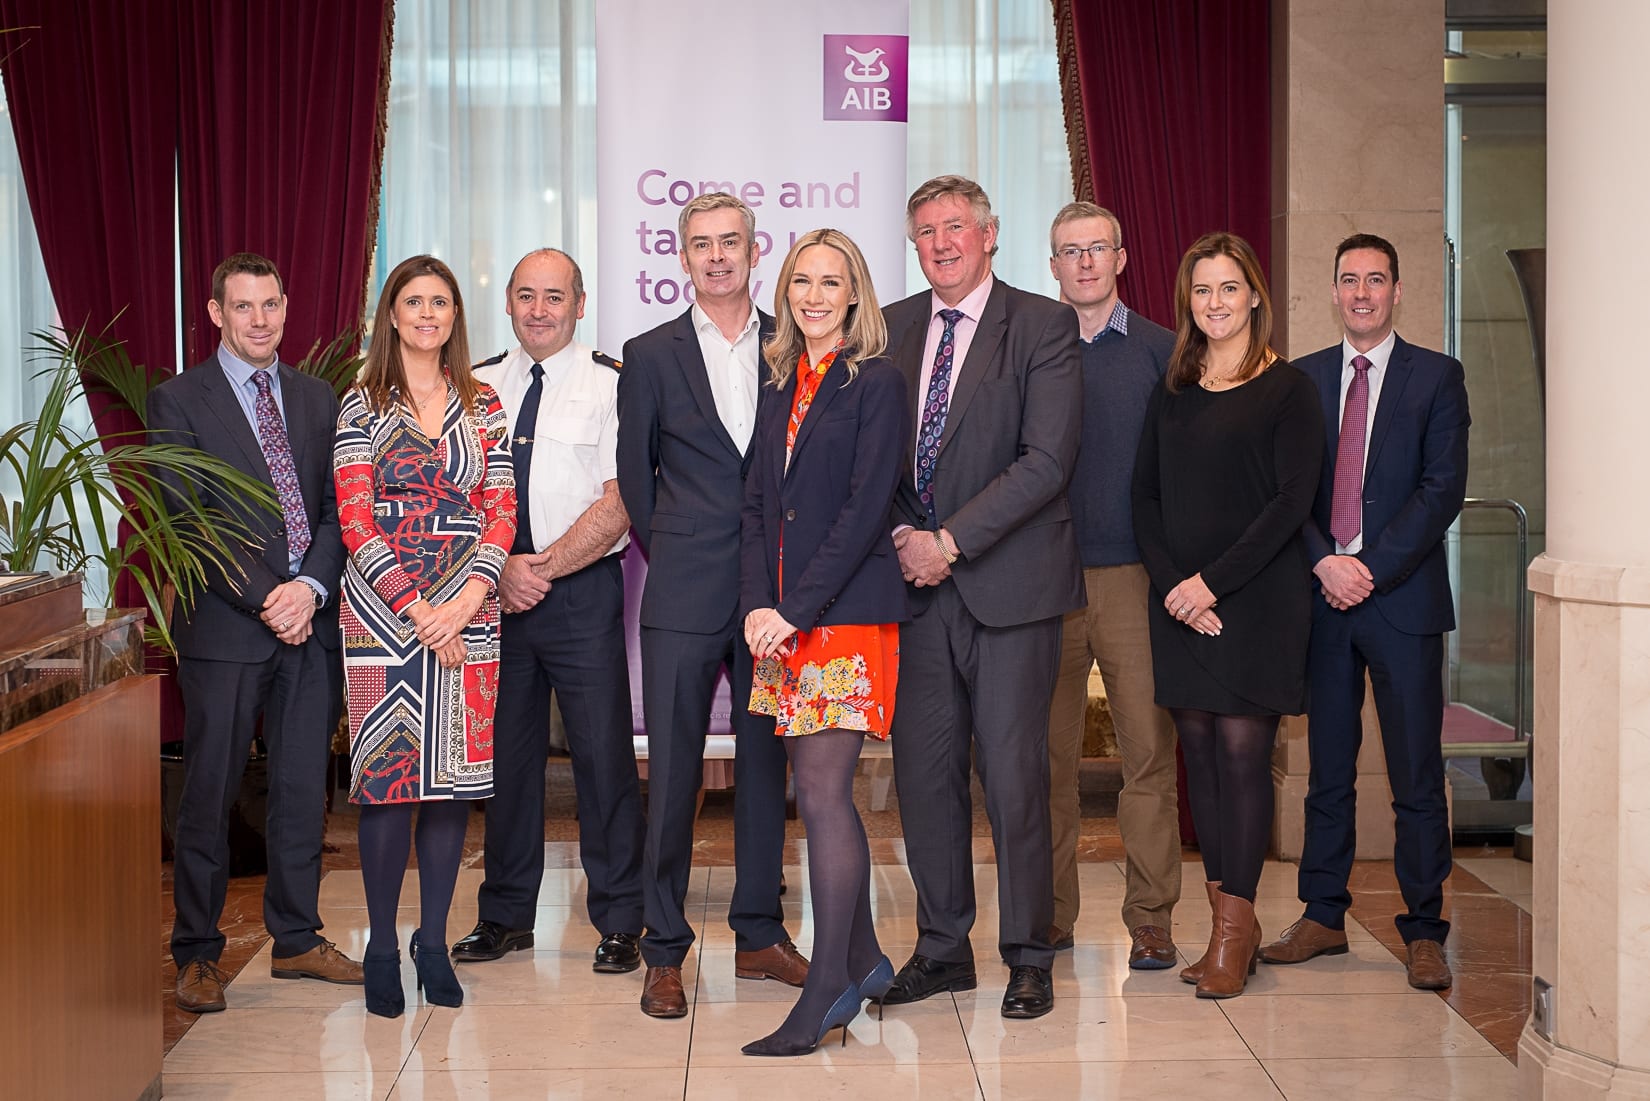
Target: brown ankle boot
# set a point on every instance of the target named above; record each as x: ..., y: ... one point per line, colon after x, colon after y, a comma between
x: 1232, y: 954
x: 1194, y: 973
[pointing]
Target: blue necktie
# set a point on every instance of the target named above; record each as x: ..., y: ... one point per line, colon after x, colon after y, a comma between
x: 934, y: 408
x: 521, y: 458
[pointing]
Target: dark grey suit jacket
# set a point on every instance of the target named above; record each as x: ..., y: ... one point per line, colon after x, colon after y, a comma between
x: 1006, y: 454
x: 681, y: 478
x: 198, y: 408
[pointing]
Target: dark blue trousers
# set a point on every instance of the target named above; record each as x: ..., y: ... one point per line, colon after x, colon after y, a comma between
x: 1406, y: 672
x: 572, y: 643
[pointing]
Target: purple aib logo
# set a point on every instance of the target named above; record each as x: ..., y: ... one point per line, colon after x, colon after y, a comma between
x: 865, y: 77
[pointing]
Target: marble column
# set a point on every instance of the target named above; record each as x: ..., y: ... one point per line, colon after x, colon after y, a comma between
x: 1591, y: 747
x: 1358, y: 147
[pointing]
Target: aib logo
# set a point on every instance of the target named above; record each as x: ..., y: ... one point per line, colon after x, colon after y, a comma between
x: 865, y: 77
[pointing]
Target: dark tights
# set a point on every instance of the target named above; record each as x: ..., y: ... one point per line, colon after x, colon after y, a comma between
x: 845, y: 945
x: 1229, y: 779
x: 386, y: 834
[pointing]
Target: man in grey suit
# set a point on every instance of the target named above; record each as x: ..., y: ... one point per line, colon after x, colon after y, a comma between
x: 985, y: 538
x: 688, y: 395
x: 261, y: 639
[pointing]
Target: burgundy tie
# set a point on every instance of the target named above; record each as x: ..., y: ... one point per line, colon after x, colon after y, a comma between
x: 1346, y: 511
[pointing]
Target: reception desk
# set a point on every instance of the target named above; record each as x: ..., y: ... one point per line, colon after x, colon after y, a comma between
x: 80, y: 1008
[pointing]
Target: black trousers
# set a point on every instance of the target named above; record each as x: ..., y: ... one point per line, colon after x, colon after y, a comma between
x: 572, y: 643
x: 679, y: 673
x: 972, y: 694
x: 1407, y: 674
x: 298, y: 691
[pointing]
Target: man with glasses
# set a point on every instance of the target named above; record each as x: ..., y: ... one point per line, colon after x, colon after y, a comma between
x: 1124, y: 357
x: 687, y: 406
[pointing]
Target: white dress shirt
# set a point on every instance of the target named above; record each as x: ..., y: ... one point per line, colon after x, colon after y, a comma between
x: 575, y: 441
x: 735, y: 373
x: 1378, y: 357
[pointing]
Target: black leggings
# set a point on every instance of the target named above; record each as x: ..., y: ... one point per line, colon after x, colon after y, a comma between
x: 387, y: 833
x: 1229, y: 779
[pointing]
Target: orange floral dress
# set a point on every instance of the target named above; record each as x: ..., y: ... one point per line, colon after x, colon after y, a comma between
x: 840, y: 677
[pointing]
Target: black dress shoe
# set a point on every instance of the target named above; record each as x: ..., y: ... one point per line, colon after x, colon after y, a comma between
x: 1030, y: 992
x: 489, y: 940
x: 618, y: 953
x: 922, y: 977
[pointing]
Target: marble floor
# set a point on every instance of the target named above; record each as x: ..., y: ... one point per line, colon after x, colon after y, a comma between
x: 541, y: 1024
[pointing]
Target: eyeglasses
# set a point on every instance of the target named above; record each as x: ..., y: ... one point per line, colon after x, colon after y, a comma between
x: 1072, y: 254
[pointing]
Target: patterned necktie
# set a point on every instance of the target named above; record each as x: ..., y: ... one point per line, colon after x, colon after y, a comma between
x: 282, y: 470
x: 521, y: 458
x: 934, y: 408
x: 1346, y: 509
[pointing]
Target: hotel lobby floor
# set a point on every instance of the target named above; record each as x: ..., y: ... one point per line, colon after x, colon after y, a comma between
x: 541, y: 1024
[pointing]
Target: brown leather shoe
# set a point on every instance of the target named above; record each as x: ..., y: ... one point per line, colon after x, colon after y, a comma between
x: 1151, y: 948
x: 1231, y: 958
x: 777, y: 961
x: 1304, y: 940
x: 200, y: 987
x: 1427, y: 969
x: 323, y: 962
x: 1193, y: 973
x: 1060, y: 939
x: 662, y: 993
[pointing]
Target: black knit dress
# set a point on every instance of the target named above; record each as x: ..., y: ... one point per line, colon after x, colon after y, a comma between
x: 1222, y: 484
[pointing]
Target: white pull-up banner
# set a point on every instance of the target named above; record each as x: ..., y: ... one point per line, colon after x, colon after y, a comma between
x: 798, y: 109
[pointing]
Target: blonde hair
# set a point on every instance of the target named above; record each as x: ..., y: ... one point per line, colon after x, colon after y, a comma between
x: 961, y: 187
x: 864, y: 332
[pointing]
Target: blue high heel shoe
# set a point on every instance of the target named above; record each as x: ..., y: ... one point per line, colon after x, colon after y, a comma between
x: 877, y: 983
x: 435, y: 971
x: 385, y: 995
x: 840, y: 1015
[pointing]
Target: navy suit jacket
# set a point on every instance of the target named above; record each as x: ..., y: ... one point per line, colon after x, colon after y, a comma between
x: 1414, y: 481
x: 198, y: 408
x: 831, y: 503
x: 682, y: 478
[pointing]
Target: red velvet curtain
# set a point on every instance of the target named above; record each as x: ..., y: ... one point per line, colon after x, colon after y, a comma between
x: 281, y: 111
x: 1168, y: 113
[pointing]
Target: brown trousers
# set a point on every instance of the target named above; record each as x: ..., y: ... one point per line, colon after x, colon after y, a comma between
x: 1112, y: 631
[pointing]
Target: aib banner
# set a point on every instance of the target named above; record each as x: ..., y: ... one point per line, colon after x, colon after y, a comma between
x: 798, y: 109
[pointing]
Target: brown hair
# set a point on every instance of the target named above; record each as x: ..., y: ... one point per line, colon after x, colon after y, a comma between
x: 865, y: 334
x: 941, y: 187
x: 1366, y: 240
x: 1191, y: 346
x: 382, y: 375
x: 1071, y: 212
x: 244, y: 263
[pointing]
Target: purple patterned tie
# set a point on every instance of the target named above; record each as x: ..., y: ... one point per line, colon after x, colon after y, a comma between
x: 282, y: 471
x: 933, y: 410
x: 1346, y: 509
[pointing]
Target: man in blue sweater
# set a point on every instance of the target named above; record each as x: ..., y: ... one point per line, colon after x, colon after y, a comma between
x: 1124, y: 357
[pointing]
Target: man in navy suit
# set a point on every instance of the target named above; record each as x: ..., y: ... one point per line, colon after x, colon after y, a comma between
x: 688, y: 396
x: 1395, y: 473
x: 260, y: 639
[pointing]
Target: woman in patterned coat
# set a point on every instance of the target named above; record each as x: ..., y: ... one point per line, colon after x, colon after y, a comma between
x: 426, y: 500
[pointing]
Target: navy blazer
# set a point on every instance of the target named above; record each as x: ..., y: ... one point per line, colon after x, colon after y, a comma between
x: 198, y: 408
x: 682, y: 477
x: 1414, y: 481
x: 831, y: 504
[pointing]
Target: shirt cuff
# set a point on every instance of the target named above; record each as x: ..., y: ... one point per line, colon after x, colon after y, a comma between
x: 321, y: 594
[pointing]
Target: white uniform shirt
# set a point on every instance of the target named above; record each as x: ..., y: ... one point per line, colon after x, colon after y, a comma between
x: 734, y: 370
x: 575, y: 441
x: 1378, y: 357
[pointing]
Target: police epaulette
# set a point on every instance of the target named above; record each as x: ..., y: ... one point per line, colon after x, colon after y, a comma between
x: 489, y: 362
x: 606, y: 360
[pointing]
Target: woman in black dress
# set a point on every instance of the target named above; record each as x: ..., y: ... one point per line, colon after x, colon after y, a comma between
x: 1227, y: 468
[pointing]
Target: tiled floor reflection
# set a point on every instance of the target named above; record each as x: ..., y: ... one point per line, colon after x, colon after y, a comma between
x: 541, y: 1024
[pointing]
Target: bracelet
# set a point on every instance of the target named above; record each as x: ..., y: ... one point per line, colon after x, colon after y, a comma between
x: 939, y: 541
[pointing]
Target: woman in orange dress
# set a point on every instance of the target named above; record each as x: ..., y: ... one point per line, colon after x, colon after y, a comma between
x: 823, y: 598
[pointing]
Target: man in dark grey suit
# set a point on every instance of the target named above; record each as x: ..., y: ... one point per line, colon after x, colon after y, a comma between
x: 985, y: 538
x: 688, y: 394
x: 261, y: 639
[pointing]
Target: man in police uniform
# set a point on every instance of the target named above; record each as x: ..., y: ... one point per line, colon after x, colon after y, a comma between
x: 562, y: 593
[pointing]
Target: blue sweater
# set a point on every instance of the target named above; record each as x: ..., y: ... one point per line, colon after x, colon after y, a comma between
x: 1119, y: 374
